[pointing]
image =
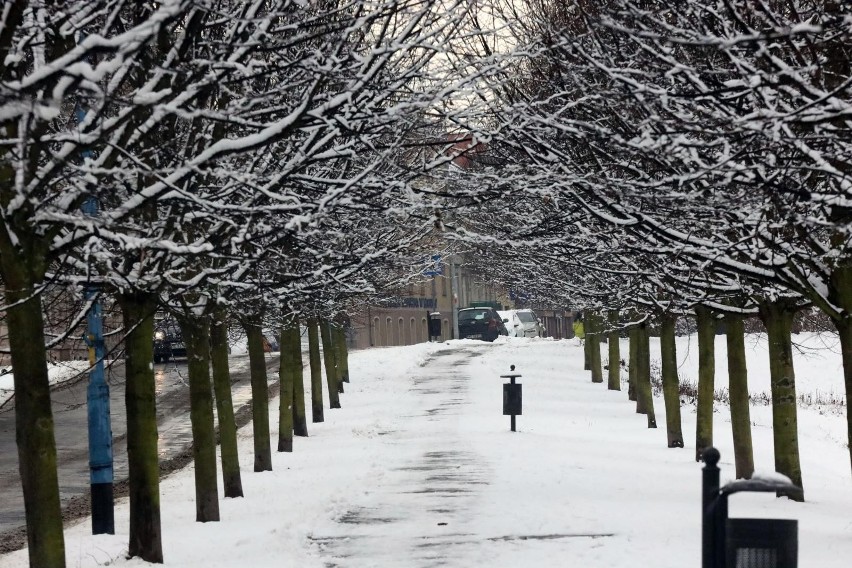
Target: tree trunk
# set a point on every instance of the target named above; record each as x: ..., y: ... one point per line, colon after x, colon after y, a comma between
x: 342, y: 353
x: 633, y: 364
x: 330, y: 369
x: 196, y: 335
x: 231, y: 478
x: 259, y: 395
x: 142, y: 452
x: 614, y: 371
x: 587, y: 346
x: 34, y: 432
x: 643, y: 372
x: 777, y: 316
x: 23, y: 263
x: 300, y: 422
x: 840, y: 292
x: 671, y: 382
x: 593, y: 338
x: 738, y: 390
x: 334, y: 337
x: 706, y: 380
x: 317, y: 413
x: 844, y: 327
x: 286, y: 378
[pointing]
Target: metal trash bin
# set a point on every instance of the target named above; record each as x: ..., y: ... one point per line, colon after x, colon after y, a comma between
x: 512, y: 396
x: 761, y: 543
x: 740, y: 542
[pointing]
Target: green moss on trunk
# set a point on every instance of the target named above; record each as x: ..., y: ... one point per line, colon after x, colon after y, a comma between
x: 259, y: 395
x: 614, y: 354
x: 342, y: 353
x: 338, y: 355
x: 330, y: 366
x: 706, y: 380
x: 633, y: 364
x: 671, y: 382
x: 738, y: 389
x: 777, y: 316
x: 145, y: 538
x: 196, y: 336
x: 593, y: 338
x: 34, y: 432
x: 841, y: 294
x: 844, y: 327
x: 643, y: 375
x: 300, y: 422
x: 231, y: 478
x: 317, y: 412
x: 286, y: 378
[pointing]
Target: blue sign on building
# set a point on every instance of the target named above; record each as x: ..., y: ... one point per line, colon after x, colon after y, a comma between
x: 411, y: 302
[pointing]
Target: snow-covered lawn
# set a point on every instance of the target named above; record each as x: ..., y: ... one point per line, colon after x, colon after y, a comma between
x: 419, y: 468
x: 819, y: 369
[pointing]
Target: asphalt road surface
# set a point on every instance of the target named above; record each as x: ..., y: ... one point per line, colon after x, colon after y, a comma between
x: 71, y: 430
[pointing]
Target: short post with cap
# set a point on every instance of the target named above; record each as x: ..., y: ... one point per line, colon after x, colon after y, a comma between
x: 709, y: 493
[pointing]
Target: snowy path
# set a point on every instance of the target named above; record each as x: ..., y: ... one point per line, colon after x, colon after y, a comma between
x: 446, y: 493
x: 416, y: 513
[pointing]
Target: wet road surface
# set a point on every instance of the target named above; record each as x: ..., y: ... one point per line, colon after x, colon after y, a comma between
x: 70, y: 422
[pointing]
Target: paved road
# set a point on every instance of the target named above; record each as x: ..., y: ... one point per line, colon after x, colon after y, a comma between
x: 69, y: 414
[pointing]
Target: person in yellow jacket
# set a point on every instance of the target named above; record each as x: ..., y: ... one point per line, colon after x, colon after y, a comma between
x: 579, y: 332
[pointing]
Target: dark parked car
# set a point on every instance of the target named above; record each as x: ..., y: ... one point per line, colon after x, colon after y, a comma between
x: 168, y: 341
x: 481, y: 323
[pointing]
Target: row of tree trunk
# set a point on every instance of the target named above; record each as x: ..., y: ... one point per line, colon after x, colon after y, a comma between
x: 777, y: 316
x: 206, y: 339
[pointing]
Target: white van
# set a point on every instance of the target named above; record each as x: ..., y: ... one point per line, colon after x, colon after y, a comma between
x: 523, y: 323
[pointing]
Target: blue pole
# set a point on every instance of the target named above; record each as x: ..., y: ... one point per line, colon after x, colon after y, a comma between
x: 100, y: 430
x: 97, y: 400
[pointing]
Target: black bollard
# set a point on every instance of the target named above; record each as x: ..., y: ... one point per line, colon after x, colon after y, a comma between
x: 709, y: 494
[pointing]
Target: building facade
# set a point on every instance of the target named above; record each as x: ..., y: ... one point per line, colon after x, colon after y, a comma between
x: 403, y: 318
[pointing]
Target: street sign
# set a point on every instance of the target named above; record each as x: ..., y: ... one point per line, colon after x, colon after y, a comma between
x: 434, y: 267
